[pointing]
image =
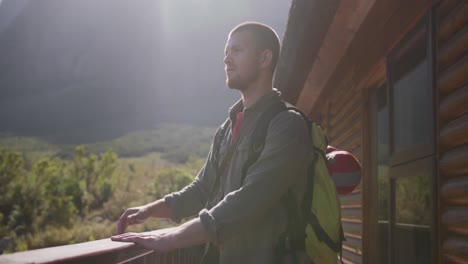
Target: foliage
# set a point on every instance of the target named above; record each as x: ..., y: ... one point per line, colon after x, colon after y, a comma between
x: 413, y: 199
x: 53, y: 199
x: 175, y: 141
x: 94, y: 176
x: 383, y: 192
x: 52, y: 192
x: 10, y: 169
x: 171, y: 180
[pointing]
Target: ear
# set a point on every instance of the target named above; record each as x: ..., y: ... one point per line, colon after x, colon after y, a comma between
x: 266, y: 58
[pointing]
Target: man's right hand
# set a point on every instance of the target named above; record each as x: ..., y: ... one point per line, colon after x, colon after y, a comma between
x: 137, y: 215
x: 131, y: 216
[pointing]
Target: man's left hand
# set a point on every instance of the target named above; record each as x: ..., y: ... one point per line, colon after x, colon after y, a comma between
x: 161, y: 242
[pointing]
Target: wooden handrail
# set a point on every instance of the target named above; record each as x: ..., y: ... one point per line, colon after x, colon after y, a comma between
x: 100, y: 251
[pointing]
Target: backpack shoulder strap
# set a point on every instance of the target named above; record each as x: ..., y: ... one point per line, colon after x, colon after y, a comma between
x: 218, y: 165
x: 259, y: 135
x: 219, y: 136
x: 304, y: 116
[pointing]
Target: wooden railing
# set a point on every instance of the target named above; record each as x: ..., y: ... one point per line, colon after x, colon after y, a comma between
x: 102, y: 251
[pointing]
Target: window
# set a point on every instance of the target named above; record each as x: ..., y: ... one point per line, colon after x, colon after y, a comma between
x: 403, y: 114
x: 411, y: 99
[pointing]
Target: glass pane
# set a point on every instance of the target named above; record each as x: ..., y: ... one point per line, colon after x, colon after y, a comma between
x: 382, y: 174
x: 413, y: 215
x: 412, y: 99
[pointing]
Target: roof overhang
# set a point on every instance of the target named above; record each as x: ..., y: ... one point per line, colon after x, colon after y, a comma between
x: 311, y: 52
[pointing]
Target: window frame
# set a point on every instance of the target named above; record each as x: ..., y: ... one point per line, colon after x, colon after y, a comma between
x: 403, y: 47
x: 405, y: 163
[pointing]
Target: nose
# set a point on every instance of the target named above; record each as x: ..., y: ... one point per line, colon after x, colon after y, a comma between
x: 227, y: 59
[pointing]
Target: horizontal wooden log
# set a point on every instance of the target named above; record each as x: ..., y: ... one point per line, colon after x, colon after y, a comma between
x: 353, y: 206
x: 351, y: 213
x: 351, y: 221
x: 454, y: 162
x: 347, y: 260
x: 350, y: 112
x: 454, y: 134
x: 323, y: 119
x: 454, y: 105
x: 455, y: 250
x: 353, y: 227
x: 456, y: 76
x: 455, y: 220
x: 455, y: 191
x: 344, y: 93
x: 351, y: 235
x: 453, y: 22
x: 451, y: 259
x: 353, y: 199
x: 351, y: 255
x: 350, y: 141
x: 345, y: 133
x: 352, y: 117
x: 453, y: 49
x: 339, y: 111
x: 344, y: 88
x: 357, y: 152
x: 445, y: 7
x: 354, y: 245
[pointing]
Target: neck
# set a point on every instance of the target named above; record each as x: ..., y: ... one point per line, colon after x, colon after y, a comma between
x: 255, y: 91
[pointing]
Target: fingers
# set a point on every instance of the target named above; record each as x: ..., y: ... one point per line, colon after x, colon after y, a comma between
x: 127, y: 237
x: 150, y: 241
x: 123, y: 221
x: 131, y: 216
x: 133, y: 219
x: 145, y: 240
x: 122, y: 224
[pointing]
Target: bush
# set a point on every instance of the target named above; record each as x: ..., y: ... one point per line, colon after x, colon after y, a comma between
x: 95, y: 178
x: 47, y: 201
x: 170, y: 180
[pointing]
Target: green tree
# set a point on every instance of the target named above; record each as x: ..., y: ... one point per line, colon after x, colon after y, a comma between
x: 170, y: 180
x: 95, y: 176
x: 10, y: 168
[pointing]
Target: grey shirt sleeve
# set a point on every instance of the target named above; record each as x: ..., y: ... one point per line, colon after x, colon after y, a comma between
x: 192, y: 198
x: 282, y: 163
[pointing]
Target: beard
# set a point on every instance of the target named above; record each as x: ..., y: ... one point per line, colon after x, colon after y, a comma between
x: 236, y: 84
x: 241, y: 84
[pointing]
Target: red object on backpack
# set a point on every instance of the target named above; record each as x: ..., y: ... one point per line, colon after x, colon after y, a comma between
x: 344, y: 169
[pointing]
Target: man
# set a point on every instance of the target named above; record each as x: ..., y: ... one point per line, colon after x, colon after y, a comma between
x: 247, y: 218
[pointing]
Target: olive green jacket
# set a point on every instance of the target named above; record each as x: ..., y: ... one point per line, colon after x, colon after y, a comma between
x: 247, y: 219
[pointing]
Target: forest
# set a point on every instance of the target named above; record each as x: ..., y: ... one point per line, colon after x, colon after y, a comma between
x: 62, y: 194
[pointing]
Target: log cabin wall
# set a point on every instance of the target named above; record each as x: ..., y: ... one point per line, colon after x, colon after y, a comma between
x: 342, y: 107
x: 341, y: 119
x: 452, y: 94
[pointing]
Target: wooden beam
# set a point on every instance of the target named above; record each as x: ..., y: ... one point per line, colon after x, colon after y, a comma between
x: 308, y: 24
x: 386, y: 24
x: 348, y: 18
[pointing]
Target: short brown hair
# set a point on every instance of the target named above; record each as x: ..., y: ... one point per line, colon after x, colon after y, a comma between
x: 266, y: 38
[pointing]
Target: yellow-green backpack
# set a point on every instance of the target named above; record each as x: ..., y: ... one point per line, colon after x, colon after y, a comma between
x: 319, y: 233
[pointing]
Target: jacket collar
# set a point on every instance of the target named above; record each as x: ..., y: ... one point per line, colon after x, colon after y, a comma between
x: 258, y: 107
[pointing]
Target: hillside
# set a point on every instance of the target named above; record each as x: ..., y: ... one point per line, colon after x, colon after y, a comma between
x: 75, y: 72
x: 61, y: 194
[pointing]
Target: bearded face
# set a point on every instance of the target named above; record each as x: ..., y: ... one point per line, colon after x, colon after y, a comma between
x: 241, y: 60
